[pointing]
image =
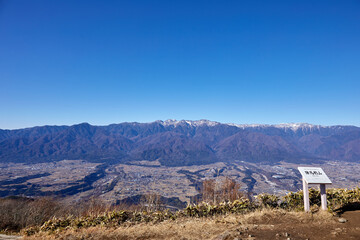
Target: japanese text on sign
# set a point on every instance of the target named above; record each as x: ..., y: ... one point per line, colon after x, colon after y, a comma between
x: 314, y: 175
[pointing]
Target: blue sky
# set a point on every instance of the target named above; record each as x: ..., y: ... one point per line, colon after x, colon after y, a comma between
x: 102, y: 62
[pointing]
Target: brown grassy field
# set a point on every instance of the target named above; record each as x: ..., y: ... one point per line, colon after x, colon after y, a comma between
x: 265, y: 217
x: 260, y: 224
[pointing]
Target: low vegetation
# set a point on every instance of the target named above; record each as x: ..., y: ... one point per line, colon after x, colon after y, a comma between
x: 49, y: 216
x: 220, y: 227
x: 18, y: 213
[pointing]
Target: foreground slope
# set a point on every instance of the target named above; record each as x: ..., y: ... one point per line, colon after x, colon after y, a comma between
x: 266, y: 224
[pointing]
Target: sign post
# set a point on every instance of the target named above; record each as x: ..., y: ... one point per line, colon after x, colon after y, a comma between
x: 323, y: 196
x: 306, y: 196
x: 314, y: 175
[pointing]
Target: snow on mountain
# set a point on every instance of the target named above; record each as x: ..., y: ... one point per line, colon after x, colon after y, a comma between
x: 204, y: 122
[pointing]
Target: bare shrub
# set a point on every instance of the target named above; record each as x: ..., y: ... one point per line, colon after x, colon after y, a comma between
x: 91, y: 207
x: 17, y: 213
x: 219, y: 190
x: 151, y: 202
x: 208, y: 191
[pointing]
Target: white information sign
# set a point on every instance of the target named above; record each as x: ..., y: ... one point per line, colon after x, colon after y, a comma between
x: 314, y: 175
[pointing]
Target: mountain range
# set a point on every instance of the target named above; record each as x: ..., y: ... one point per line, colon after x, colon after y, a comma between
x: 179, y: 143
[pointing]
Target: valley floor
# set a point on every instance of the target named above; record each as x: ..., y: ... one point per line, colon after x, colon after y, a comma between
x: 76, y: 180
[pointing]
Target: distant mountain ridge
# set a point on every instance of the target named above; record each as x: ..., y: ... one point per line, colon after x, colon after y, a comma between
x: 178, y: 143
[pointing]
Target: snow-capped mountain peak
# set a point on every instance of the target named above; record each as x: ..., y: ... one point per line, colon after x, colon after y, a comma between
x: 202, y: 122
x: 285, y: 126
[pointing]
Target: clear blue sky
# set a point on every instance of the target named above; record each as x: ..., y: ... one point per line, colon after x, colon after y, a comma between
x: 102, y: 62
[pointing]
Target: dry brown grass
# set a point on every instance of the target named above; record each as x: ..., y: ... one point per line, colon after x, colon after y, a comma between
x: 94, y: 220
x: 279, y: 216
x: 17, y: 213
x: 198, y: 228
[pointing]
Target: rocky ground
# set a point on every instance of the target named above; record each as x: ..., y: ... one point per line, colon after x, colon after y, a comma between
x: 9, y: 237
